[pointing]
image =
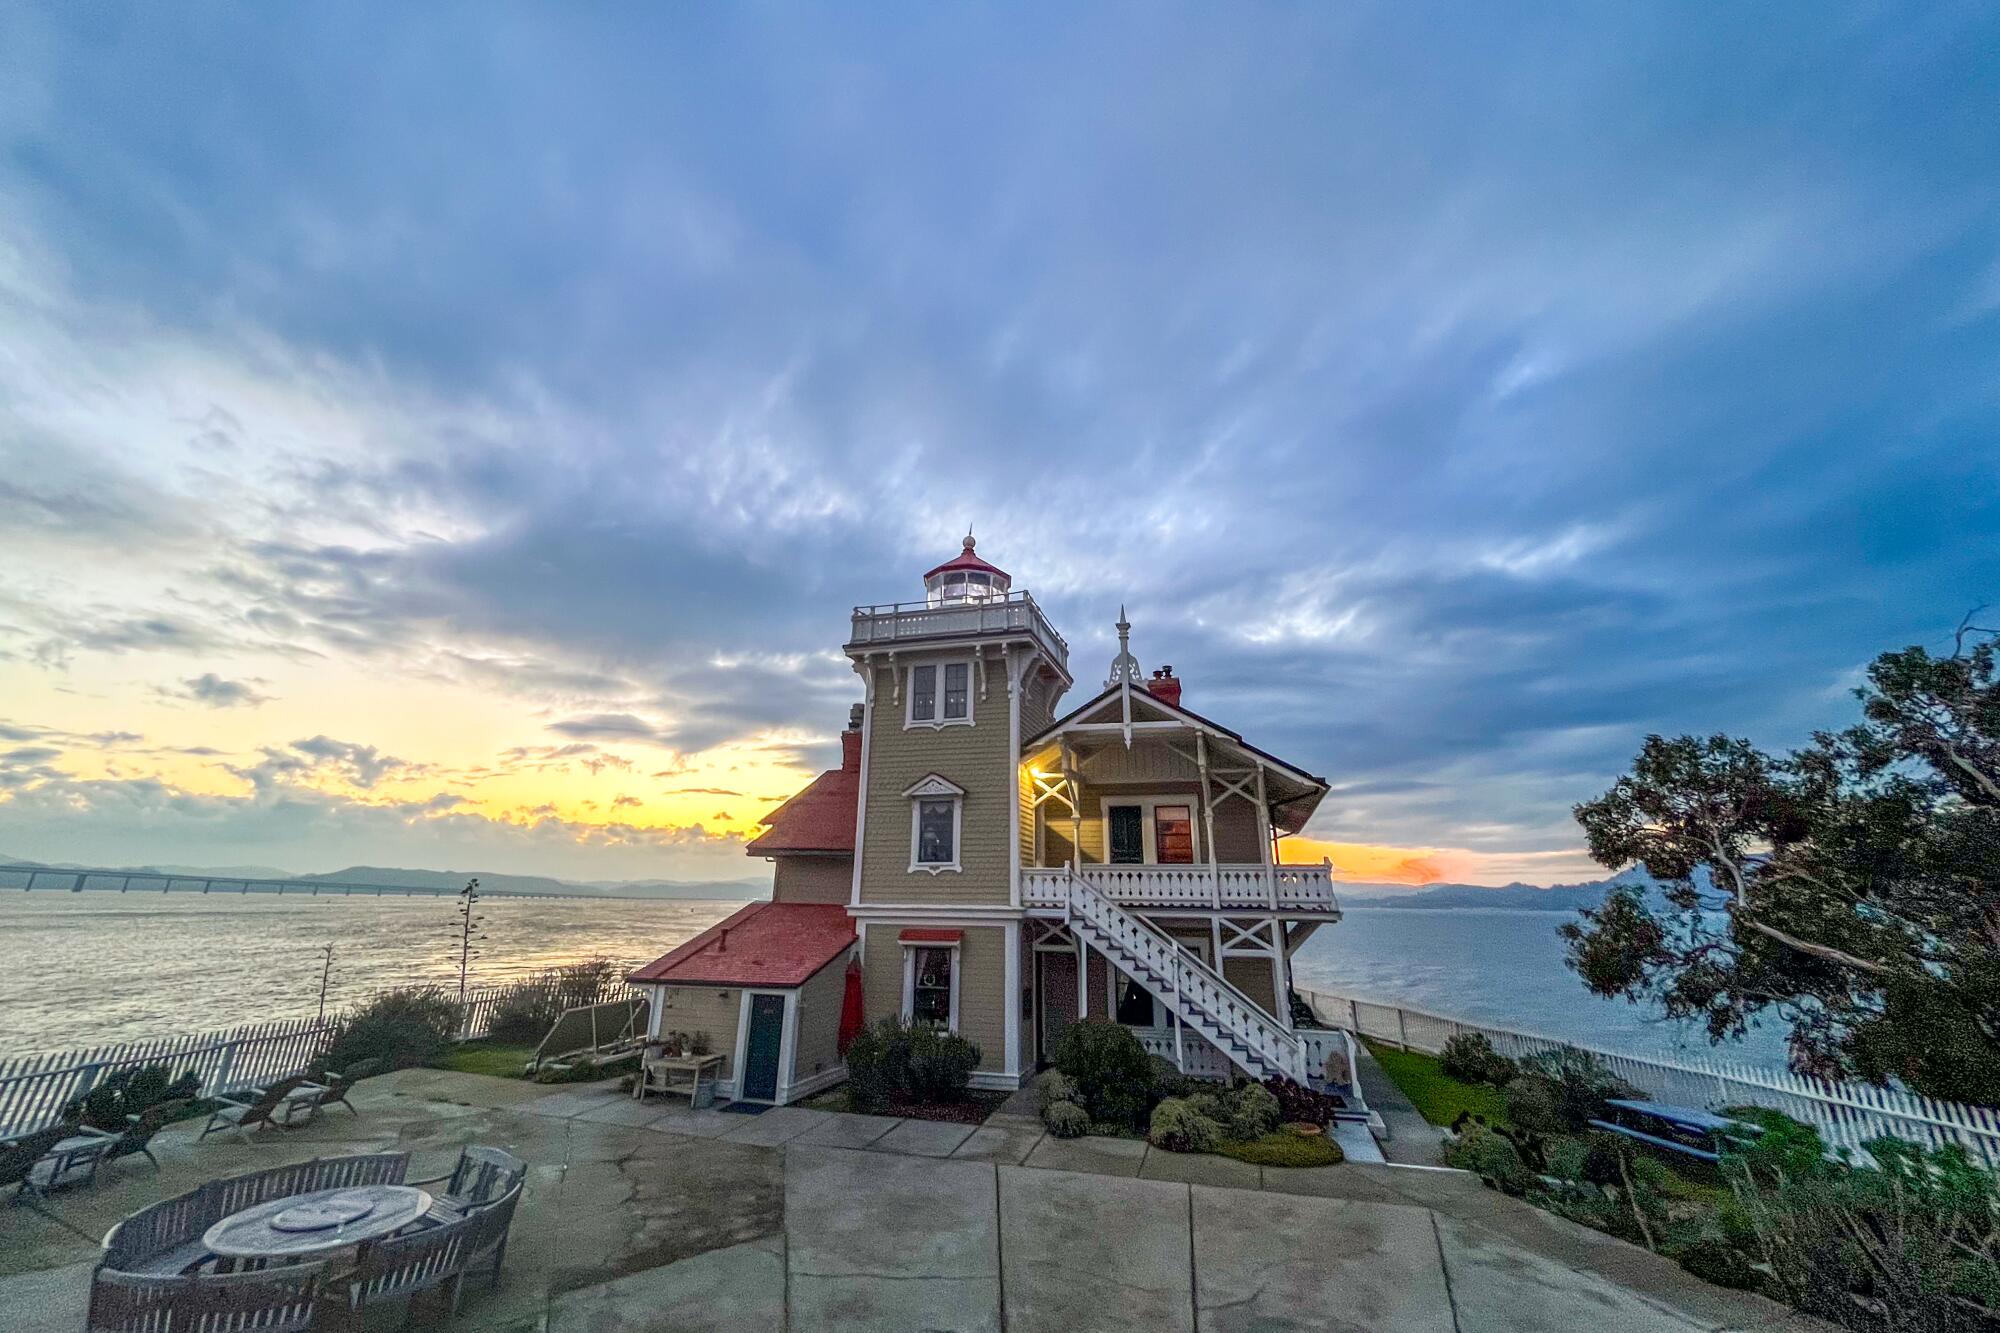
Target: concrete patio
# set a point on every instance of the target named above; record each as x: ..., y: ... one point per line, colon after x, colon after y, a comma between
x: 655, y: 1216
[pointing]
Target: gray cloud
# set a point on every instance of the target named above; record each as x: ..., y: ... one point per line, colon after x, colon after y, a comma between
x: 213, y: 691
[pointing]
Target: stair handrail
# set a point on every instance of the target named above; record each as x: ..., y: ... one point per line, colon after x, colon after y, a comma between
x: 1277, y: 1042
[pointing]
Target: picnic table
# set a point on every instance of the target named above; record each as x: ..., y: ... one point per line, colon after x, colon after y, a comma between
x: 1683, y: 1129
x: 304, y: 1225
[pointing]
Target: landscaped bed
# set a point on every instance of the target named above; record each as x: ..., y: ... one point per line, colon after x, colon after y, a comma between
x: 1438, y: 1097
x: 971, y: 1109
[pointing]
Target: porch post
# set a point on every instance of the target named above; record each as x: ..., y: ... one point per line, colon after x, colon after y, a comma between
x: 1208, y: 822
x: 1264, y: 819
x: 1180, y: 1059
x: 1082, y: 977
x: 1075, y: 807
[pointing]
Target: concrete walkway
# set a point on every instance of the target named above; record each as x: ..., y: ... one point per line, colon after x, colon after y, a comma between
x: 658, y: 1217
x: 1406, y: 1136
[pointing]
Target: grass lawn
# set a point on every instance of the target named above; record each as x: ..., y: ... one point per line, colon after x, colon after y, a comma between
x: 1437, y: 1098
x: 488, y: 1057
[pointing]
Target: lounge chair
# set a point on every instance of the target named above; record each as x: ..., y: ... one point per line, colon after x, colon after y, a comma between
x: 241, y: 1115
x: 271, y: 1300
x: 20, y: 1157
x: 481, y: 1176
x: 137, y: 1136
x: 333, y: 1088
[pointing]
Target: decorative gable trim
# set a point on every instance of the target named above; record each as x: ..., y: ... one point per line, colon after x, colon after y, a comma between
x: 933, y: 786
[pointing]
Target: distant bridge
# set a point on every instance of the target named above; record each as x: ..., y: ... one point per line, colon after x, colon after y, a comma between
x: 56, y: 880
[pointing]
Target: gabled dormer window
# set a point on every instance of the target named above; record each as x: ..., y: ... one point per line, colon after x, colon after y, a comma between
x: 940, y: 695
x: 936, y: 806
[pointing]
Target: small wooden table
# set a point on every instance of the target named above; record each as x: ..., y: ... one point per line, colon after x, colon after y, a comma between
x: 695, y: 1066
x: 305, y: 1225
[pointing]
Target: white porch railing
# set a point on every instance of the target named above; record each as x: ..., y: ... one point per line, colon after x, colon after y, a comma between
x: 1290, y: 887
x: 890, y: 623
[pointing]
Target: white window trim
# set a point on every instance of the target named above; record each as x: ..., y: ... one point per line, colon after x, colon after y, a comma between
x: 911, y: 722
x: 936, y: 788
x: 910, y: 948
x: 1148, y: 830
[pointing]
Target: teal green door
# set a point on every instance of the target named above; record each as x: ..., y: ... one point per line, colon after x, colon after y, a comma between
x: 760, y: 1057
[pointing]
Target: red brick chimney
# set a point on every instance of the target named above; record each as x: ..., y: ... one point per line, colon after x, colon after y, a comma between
x: 850, y: 742
x: 1165, y: 685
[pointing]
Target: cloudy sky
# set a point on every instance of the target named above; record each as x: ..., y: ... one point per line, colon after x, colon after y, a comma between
x: 453, y: 436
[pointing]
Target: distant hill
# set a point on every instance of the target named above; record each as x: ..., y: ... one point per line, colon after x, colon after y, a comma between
x: 448, y: 880
x: 1521, y: 897
x: 496, y: 882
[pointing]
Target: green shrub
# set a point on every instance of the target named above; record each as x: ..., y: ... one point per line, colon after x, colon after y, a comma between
x: 1489, y: 1156
x: 1066, y: 1120
x: 522, y: 1017
x: 128, y: 1092
x: 1470, y: 1058
x: 1169, y: 1081
x: 1177, y: 1127
x: 1113, y: 1075
x: 1253, y: 1112
x: 1713, y: 1257
x: 400, y: 1028
x: 878, y: 1065
x: 941, y: 1065
x: 1055, y: 1088
x: 1565, y: 1089
x: 1910, y: 1242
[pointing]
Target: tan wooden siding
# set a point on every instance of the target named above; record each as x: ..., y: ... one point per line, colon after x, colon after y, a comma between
x: 1026, y: 786
x: 982, y: 995
x: 881, y: 972
x: 702, y: 1009
x: 1038, y: 707
x: 812, y: 879
x: 982, y: 985
x: 1252, y: 976
x: 976, y: 757
x: 817, y: 1045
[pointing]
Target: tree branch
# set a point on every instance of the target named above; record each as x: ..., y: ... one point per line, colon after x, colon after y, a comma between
x: 1825, y: 951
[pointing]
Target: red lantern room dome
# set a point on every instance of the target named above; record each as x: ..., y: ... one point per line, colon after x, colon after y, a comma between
x: 966, y: 578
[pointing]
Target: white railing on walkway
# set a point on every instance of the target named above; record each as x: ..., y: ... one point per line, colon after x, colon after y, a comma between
x: 1292, y: 887
x: 1846, y: 1114
x: 34, y: 1089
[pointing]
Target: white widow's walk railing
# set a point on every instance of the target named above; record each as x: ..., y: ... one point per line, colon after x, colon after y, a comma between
x: 1292, y: 887
x: 890, y: 623
x: 1200, y: 994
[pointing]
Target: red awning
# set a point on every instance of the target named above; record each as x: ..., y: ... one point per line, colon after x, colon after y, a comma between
x: 925, y: 935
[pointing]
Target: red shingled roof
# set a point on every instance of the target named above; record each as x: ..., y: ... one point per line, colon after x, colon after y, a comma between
x: 764, y: 944
x: 968, y: 558
x: 819, y: 819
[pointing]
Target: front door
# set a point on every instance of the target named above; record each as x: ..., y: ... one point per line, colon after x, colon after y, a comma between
x: 1058, y: 999
x: 760, y: 1055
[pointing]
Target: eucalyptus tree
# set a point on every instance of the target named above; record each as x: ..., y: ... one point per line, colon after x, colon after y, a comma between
x: 1850, y: 888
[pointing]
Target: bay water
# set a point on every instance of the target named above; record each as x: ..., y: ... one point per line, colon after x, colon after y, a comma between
x: 80, y: 969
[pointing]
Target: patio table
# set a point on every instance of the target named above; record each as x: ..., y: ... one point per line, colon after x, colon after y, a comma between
x: 666, y: 1066
x: 305, y: 1225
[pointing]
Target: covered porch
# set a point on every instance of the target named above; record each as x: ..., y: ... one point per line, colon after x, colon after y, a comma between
x: 1161, y: 808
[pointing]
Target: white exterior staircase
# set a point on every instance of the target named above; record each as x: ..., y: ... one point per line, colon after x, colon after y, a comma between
x: 1203, y: 998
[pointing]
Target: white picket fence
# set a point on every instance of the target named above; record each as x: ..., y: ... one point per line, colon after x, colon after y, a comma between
x: 35, y: 1088
x: 1847, y: 1114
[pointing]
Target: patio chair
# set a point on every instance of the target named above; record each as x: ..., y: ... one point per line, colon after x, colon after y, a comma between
x: 136, y: 1139
x: 163, y: 1239
x: 20, y: 1157
x: 333, y: 1088
x: 486, y: 1231
x: 242, y: 1115
x: 481, y: 1176
x: 407, y: 1265
x: 271, y: 1300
